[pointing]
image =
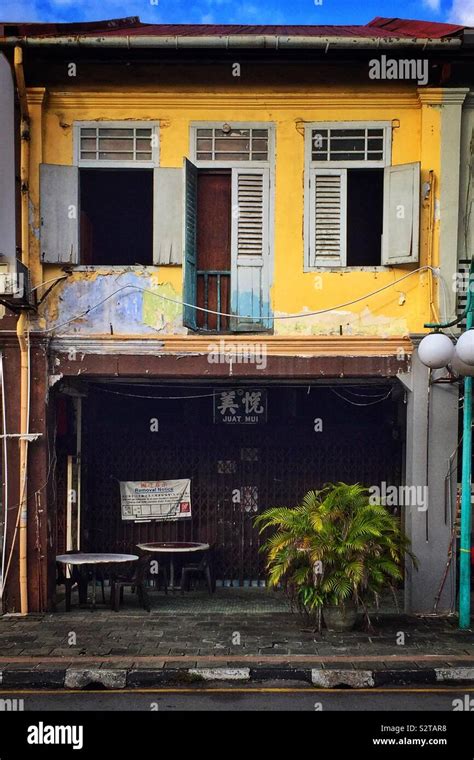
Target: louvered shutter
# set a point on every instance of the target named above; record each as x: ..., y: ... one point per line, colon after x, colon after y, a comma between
x: 250, y: 299
x: 327, y: 217
x: 401, y: 214
x: 190, y: 249
x: 59, y: 210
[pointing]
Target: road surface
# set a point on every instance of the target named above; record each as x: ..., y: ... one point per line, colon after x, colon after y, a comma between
x: 238, y: 698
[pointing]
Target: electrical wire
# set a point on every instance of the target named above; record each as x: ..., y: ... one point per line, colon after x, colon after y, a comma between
x: 51, y: 463
x: 361, y: 395
x: 25, y: 474
x: 445, y: 306
x: 104, y: 389
x: 376, y: 399
x: 54, y: 279
x: 5, y: 476
x: 175, y: 301
x: 356, y: 403
x: 163, y: 398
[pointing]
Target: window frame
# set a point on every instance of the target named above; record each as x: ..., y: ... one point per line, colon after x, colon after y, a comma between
x: 270, y: 162
x: 234, y: 164
x: 90, y: 163
x: 311, y: 165
x: 347, y: 164
x: 104, y: 164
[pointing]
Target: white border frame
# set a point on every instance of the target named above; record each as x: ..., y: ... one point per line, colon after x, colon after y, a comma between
x: 269, y: 125
x: 387, y: 144
x: 269, y: 163
x: 116, y: 164
x: 310, y: 164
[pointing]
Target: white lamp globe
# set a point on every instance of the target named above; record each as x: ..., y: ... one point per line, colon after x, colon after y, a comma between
x: 467, y: 370
x: 435, y: 350
x: 465, y: 347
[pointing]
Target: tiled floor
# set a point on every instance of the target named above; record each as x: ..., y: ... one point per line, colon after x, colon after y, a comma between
x: 128, y: 634
x: 232, y: 622
x: 233, y: 600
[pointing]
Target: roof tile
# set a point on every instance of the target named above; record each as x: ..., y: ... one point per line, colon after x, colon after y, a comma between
x: 132, y: 26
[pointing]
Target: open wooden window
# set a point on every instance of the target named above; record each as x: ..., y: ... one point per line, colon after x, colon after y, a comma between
x: 115, y: 206
x: 226, y: 248
x: 401, y: 221
x: 59, y: 211
x: 359, y: 210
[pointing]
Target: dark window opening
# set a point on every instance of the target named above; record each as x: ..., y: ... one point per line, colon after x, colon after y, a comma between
x: 364, y: 217
x: 213, y: 248
x: 116, y: 216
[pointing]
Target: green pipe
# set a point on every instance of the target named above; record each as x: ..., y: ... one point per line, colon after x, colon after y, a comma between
x: 466, y: 509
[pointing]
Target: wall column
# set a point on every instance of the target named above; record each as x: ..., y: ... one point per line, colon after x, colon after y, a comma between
x: 450, y: 200
x: 432, y: 437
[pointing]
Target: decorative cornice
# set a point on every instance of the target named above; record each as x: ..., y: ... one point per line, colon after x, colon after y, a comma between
x: 443, y: 95
x: 469, y: 102
x: 209, y: 101
x: 455, y: 96
x: 36, y: 95
x: 275, y: 345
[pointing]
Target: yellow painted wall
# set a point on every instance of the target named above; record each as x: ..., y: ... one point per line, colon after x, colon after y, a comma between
x: 416, y: 137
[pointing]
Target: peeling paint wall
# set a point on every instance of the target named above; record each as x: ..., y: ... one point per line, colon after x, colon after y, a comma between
x: 128, y: 302
x: 399, y: 310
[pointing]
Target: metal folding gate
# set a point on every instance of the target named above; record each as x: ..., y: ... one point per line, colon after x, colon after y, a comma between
x: 236, y: 472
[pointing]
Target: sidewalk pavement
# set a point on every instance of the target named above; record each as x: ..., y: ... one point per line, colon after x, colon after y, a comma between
x: 236, y: 635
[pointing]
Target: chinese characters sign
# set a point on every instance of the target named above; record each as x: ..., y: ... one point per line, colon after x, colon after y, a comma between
x: 240, y: 406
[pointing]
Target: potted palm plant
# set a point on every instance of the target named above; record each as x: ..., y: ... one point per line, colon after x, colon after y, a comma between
x: 334, y: 552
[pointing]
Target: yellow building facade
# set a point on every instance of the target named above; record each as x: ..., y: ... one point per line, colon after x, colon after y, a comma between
x: 397, y: 311
x: 229, y: 217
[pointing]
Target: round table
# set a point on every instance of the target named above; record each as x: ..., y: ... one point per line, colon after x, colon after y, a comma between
x: 94, y: 559
x: 173, y: 548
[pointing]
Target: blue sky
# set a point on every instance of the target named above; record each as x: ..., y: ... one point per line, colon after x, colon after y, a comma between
x: 237, y: 11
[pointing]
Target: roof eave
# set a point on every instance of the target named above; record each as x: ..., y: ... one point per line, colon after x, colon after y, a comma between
x: 229, y: 42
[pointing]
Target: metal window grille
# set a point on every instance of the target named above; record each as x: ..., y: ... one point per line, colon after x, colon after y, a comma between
x: 463, y: 269
x: 214, y: 144
x: 361, y: 144
x: 116, y: 144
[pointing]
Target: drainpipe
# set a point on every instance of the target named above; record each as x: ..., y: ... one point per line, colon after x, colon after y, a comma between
x: 23, y: 334
x: 234, y: 41
x: 466, y: 505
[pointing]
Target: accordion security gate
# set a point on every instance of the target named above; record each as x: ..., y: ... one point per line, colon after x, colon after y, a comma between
x: 236, y: 471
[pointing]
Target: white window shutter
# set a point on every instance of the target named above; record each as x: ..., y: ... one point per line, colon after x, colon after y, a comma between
x: 401, y: 214
x: 327, y: 217
x: 60, y: 213
x: 167, y: 216
x: 250, y: 297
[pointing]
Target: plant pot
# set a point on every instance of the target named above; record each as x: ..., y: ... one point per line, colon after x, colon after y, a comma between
x: 340, y: 617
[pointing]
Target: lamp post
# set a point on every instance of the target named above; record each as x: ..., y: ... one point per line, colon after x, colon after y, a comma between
x: 465, y: 355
